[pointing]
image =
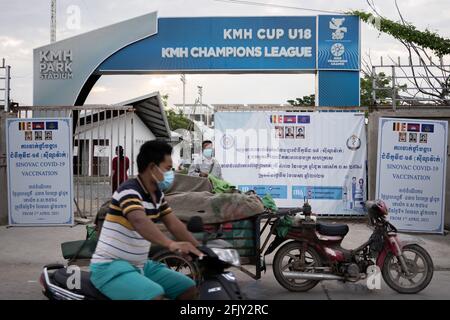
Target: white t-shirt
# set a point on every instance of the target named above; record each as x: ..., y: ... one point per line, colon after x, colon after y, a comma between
x: 205, y: 165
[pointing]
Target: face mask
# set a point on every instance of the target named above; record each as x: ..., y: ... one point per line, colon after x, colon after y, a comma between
x: 169, y: 176
x: 208, y: 153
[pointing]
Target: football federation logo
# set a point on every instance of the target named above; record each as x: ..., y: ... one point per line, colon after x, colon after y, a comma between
x: 337, y: 49
x: 227, y: 141
x: 353, y: 143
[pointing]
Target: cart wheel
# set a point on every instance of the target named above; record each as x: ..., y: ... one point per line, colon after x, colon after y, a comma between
x: 287, y: 258
x: 178, y: 263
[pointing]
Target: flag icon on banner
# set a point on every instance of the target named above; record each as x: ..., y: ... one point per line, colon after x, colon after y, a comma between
x: 51, y: 125
x: 414, y: 127
x: 399, y: 126
x: 276, y: 118
x: 303, y: 119
x: 290, y: 119
x: 38, y: 126
x: 22, y: 126
x: 427, y: 127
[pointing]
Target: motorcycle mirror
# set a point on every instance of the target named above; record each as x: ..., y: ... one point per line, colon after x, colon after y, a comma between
x: 195, y: 224
x: 307, y: 210
x: 370, y: 204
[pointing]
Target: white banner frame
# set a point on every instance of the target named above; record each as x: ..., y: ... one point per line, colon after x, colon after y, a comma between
x: 330, y: 195
x: 402, y: 124
x: 69, y: 221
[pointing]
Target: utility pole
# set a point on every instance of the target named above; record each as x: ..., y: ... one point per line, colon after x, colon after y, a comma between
x: 200, y: 94
x: 53, y: 21
x: 200, y: 99
x: 183, y: 79
x: 6, y: 89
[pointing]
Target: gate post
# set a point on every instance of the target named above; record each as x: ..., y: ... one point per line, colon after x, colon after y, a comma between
x: 372, y: 150
x: 3, y: 172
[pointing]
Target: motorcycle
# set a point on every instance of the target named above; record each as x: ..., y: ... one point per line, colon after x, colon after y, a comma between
x: 314, y: 253
x: 215, y: 283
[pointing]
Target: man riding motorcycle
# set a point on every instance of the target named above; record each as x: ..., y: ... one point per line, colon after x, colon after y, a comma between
x: 120, y: 268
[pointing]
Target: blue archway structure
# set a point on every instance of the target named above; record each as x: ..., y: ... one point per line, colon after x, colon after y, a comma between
x: 325, y: 45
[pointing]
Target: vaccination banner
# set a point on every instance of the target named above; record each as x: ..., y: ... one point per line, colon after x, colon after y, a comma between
x: 39, y: 160
x: 411, y: 170
x: 319, y: 156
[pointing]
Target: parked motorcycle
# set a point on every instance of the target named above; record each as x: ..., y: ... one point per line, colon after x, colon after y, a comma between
x: 215, y: 282
x: 315, y: 253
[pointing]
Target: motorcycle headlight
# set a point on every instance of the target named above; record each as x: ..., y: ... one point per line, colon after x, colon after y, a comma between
x: 230, y: 256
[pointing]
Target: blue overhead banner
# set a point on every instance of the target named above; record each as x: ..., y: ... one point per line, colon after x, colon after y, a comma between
x: 239, y: 44
x: 328, y: 46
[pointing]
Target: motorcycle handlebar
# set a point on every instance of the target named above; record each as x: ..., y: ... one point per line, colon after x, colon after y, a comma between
x: 54, y: 266
x: 289, y: 211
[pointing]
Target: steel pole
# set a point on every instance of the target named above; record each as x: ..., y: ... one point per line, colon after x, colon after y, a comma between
x: 7, y: 78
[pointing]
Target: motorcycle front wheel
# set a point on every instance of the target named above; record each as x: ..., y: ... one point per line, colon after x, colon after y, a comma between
x: 178, y: 263
x: 287, y: 258
x: 420, y: 267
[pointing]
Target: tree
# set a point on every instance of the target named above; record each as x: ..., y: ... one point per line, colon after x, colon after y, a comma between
x: 165, y: 100
x: 429, y: 80
x: 305, y: 101
x: 176, y: 120
x: 384, y: 90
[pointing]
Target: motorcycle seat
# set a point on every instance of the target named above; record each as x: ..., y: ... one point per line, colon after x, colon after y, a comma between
x: 332, y: 229
x: 87, y: 289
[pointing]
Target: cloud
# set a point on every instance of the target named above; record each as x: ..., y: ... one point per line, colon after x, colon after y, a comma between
x: 158, y: 81
x: 25, y: 26
x: 9, y: 42
x: 100, y: 89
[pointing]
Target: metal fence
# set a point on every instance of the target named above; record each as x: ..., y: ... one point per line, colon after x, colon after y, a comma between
x: 98, y: 131
x: 411, y: 84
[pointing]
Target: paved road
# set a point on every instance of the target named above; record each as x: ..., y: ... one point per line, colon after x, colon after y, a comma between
x: 268, y: 288
x: 24, y: 251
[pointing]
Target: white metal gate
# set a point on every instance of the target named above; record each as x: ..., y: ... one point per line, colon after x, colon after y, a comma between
x: 97, y: 131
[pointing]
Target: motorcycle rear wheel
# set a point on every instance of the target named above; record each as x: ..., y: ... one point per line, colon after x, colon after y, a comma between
x: 413, y: 253
x: 312, y: 259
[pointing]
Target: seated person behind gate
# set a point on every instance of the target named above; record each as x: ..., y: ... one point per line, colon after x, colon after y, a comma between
x: 120, y: 268
x: 206, y: 164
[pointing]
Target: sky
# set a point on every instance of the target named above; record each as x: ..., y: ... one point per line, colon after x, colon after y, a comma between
x: 25, y: 25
